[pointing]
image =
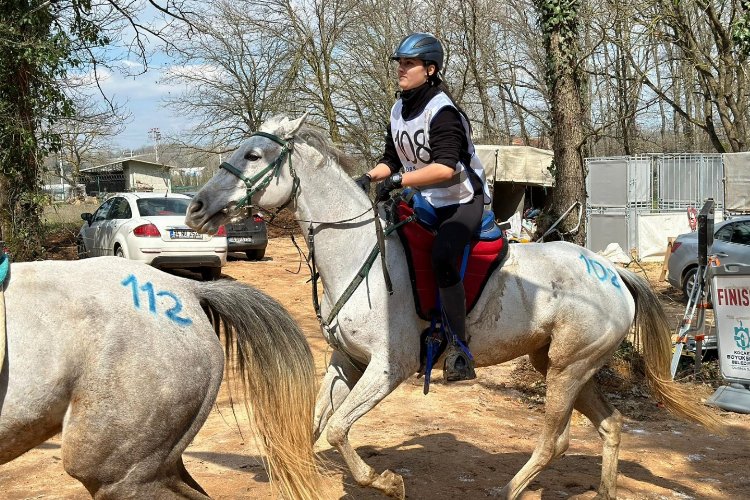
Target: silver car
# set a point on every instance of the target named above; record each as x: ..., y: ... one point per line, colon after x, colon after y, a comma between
x: 731, y: 246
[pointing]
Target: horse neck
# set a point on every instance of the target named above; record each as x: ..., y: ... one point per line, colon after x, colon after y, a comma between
x: 326, y: 195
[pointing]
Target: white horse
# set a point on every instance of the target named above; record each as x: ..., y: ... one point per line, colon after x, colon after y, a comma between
x: 126, y: 362
x: 564, y: 306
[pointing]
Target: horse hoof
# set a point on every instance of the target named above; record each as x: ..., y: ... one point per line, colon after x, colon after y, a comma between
x: 390, y: 484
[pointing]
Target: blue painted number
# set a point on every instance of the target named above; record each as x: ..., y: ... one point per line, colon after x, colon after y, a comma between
x: 597, y: 269
x: 148, y: 287
x: 176, y: 308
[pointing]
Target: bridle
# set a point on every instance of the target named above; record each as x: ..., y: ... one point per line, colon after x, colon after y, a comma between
x: 262, y: 179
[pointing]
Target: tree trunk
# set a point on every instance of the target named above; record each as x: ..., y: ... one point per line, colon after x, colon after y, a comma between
x: 20, y: 203
x: 564, y: 78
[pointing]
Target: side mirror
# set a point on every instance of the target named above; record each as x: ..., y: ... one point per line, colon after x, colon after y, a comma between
x: 87, y: 217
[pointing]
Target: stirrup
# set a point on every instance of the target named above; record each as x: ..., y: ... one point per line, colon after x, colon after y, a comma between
x: 458, y: 365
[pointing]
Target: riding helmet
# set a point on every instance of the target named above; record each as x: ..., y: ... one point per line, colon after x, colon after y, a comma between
x: 422, y: 46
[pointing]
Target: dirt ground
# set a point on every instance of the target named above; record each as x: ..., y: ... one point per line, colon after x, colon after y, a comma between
x: 460, y: 441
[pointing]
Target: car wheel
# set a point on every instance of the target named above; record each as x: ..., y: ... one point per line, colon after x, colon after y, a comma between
x: 256, y: 254
x: 210, y: 273
x: 119, y: 252
x: 688, y: 281
x: 81, y: 249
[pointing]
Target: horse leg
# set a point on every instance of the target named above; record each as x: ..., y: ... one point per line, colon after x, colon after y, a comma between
x: 378, y: 380
x: 608, y: 423
x: 604, y: 416
x: 336, y: 386
x: 563, y: 386
x: 540, y: 361
x: 188, y: 479
x: 133, y: 449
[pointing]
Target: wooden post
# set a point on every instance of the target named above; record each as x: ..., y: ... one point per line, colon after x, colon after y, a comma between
x: 663, y: 275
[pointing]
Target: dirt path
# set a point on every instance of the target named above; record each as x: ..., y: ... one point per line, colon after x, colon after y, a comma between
x: 461, y: 441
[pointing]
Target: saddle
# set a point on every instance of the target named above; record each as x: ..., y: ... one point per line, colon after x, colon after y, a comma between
x: 488, y: 248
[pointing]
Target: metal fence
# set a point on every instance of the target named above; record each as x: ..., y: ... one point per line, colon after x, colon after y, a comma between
x: 633, y: 195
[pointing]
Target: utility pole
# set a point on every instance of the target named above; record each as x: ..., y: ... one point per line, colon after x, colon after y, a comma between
x: 155, y: 135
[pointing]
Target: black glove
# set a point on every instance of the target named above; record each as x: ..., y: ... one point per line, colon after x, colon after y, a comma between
x: 363, y: 181
x: 388, y: 185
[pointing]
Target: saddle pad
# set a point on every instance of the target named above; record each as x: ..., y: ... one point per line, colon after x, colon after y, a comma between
x: 484, y: 258
x: 4, y: 267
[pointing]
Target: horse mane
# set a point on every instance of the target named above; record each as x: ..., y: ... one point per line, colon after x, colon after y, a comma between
x: 318, y: 139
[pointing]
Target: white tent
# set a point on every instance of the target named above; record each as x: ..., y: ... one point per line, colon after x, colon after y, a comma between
x: 520, y: 164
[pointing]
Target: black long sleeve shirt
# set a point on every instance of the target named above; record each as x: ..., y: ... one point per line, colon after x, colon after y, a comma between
x: 447, y: 136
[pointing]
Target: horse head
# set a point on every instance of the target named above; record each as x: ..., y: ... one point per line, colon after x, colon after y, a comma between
x: 260, y: 172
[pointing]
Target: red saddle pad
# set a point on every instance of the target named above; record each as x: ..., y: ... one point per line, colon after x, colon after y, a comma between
x: 484, y: 258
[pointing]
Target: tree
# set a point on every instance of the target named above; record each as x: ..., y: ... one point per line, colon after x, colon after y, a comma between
x: 40, y: 43
x: 559, y: 23
x: 705, y: 40
x: 235, y: 70
x: 36, y: 49
x: 85, y: 136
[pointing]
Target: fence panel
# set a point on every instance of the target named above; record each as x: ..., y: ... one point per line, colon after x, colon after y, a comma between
x: 658, y: 188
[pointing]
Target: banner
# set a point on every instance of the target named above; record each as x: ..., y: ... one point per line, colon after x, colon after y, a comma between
x: 730, y: 293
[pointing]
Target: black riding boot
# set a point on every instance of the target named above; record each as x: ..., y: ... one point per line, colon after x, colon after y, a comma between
x: 458, y: 365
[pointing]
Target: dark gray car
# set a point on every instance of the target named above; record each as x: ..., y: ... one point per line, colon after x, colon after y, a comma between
x: 249, y: 235
x: 731, y: 246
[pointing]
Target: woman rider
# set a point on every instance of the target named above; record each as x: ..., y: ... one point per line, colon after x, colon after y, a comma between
x: 429, y: 137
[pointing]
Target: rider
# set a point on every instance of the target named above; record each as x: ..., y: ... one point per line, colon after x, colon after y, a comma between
x: 429, y: 136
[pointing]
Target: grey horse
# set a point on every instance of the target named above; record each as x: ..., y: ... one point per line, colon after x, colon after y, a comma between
x: 126, y: 361
x: 565, y: 307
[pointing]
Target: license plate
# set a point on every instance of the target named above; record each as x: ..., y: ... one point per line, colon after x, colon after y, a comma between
x: 248, y: 239
x: 184, y: 234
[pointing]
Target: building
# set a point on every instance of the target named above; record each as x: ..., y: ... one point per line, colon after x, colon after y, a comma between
x: 127, y: 175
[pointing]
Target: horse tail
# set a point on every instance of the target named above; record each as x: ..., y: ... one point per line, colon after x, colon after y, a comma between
x: 655, y: 334
x: 264, y: 344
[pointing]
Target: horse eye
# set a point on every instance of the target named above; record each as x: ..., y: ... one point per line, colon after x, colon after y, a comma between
x: 252, y: 157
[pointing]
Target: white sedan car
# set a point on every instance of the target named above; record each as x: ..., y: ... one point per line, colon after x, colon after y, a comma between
x: 150, y: 228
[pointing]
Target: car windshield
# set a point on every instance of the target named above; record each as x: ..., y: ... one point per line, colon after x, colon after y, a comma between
x: 151, y: 207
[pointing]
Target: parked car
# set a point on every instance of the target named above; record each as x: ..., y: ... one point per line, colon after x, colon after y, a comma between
x: 731, y: 245
x: 150, y: 228
x: 248, y: 235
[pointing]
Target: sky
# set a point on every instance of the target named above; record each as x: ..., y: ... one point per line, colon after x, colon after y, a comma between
x: 142, y: 97
x: 141, y: 94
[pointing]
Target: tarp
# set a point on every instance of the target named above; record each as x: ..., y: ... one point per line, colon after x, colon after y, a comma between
x: 522, y: 164
x: 736, y: 182
x: 655, y: 229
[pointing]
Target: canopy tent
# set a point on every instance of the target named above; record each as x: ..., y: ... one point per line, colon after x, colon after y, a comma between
x: 519, y: 164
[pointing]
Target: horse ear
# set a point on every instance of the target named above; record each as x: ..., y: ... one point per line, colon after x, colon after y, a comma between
x: 287, y: 128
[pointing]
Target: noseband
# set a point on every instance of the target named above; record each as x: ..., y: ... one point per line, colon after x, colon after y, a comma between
x: 262, y: 179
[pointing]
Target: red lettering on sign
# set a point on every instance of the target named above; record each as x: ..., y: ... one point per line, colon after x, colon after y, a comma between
x: 733, y: 297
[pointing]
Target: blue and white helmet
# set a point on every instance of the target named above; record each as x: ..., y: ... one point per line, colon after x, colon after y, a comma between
x: 422, y: 46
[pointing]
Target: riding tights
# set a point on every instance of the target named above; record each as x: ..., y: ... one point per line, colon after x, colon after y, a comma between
x: 456, y: 224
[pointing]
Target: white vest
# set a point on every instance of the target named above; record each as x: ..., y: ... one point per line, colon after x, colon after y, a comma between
x: 412, y: 140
